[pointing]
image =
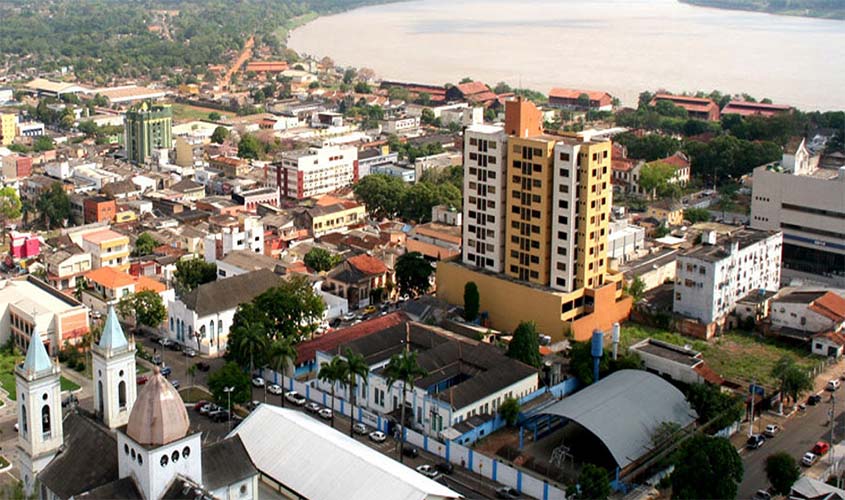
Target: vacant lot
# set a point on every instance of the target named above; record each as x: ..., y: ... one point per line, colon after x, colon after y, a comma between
x: 186, y: 112
x: 737, y: 356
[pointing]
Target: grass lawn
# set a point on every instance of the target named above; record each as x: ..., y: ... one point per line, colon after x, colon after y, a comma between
x: 7, y: 376
x: 186, y: 112
x: 738, y: 356
x: 193, y: 394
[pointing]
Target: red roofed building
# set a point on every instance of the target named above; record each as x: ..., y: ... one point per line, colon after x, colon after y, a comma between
x: 475, y: 92
x: 361, y: 280
x: 744, y: 108
x: 571, y: 99
x: 267, y: 66
x: 697, y: 107
x: 807, y: 313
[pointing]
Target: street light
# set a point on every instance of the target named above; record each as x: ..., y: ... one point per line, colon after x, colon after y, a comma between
x: 228, y: 391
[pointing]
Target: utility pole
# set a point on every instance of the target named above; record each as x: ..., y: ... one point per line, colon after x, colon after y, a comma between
x: 751, y: 419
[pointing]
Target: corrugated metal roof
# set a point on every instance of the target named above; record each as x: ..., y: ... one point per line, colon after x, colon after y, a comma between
x: 623, y: 411
x: 315, y: 461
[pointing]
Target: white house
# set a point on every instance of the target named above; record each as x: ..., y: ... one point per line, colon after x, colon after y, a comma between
x: 248, y: 234
x: 808, y: 311
x: 202, y: 317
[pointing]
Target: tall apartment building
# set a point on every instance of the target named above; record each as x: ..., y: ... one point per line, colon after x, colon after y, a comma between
x: 147, y: 128
x: 313, y: 172
x: 807, y: 203
x: 8, y: 128
x: 711, y: 278
x: 536, y: 223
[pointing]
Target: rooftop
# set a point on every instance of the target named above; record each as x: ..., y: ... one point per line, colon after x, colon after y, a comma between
x: 668, y: 351
x: 229, y: 293
x: 103, y: 236
x: 306, y: 351
x: 743, y: 238
x: 594, y: 95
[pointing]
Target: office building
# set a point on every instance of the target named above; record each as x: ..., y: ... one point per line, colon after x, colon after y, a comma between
x: 148, y: 127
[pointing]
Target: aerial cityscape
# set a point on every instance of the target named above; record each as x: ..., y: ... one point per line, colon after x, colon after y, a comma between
x: 377, y: 249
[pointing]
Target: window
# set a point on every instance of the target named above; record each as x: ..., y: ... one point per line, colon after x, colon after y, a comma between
x: 45, y: 421
x: 564, y: 157
x: 121, y: 395
x: 175, y: 456
x: 164, y: 460
x: 186, y: 452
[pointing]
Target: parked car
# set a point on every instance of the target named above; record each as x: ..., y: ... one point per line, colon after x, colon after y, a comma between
x: 295, y: 398
x: 820, y: 448
x: 809, y: 459
x: 189, y: 352
x: 445, y: 467
x: 378, y: 436
x: 755, y: 441
x: 166, y: 371
x: 427, y: 470
x: 762, y: 495
x: 219, y: 416
x: 198, y: 406
x: 814, y: 400
x: 275, y: 389
x: 771, y: 430
x: 257, y: 381
x: 348, y: 316
x: 312, y: 407
x: 209, y: 408
x: 335, y: 323
x: 410, y: 451
x: 507, y: 492
x: 325, y: 413
x: 369, y: 309
x: 165, y: 342
x: 156, y: 360
x: 141, y: 379
x: 832, y: 385
x: 176, y: 384
x: 203, y: 366
x: 360, y: 428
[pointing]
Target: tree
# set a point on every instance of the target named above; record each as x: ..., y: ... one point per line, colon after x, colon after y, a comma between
x: 246, y: 342
x: 214, y: 116
x: 413, y: 273
x: 509, y: 410
x: 192, y: 273
x: 282, y: 353
x: 427, y: 117
x: 471, y: 301
x: 250, y: 147
x: 81, y: 286
x: 230, y: 375
x: 583, y: 101
x: 381, y: 194
x: 320, y: 259
x: 349, y: 75
x: 525, y: 344
x: 54, y: 206
x: 220, y: 135
x: 707, y: 468
x: 144, y: 245
x: 290, y: 310
x: 593, y: 483
x: 43, y: 143
x: 636, y: 289
x: 10, y: 208
x: 655, y: 177
x: 333, y: 372
x: 192, y: 372
x: 146, y: 306
x: 363, y: 88
x: 355, y: 367
x: 793, y: 380
x: 782, y: 471
x: 696, y: 215
x: 403, y: 368
x: 715, y: 408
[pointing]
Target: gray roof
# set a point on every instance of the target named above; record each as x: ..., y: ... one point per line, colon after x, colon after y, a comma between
x: 226, y: 462
x: 623, y: 410
x: 810, y: 488
x: 229, y: 293
x: 122, y: 488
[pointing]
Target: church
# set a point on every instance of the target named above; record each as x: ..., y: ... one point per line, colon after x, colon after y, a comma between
x: 136, y: 445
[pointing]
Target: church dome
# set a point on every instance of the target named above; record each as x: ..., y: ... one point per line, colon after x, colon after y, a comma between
x: 158, y: 416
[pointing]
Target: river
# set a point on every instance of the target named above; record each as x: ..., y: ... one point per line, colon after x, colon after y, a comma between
x: 620, y: 46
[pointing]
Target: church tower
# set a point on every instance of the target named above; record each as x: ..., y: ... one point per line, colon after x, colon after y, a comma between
x: 114, y: 374
x: 39, y: 411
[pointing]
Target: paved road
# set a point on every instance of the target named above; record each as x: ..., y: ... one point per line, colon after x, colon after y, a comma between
x: 798, y: 435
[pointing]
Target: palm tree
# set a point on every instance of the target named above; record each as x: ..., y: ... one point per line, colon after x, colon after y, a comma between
x: 333, y: 372
x: 281, y: 354
x: 403, y: 368
x: 251, y: 340
x: 355, y: 367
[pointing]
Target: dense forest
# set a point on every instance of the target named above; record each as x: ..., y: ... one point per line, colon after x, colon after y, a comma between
x: 831, y: 9
x: 133, y: 38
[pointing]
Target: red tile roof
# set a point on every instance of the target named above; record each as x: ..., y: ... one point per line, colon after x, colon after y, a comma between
x: 754, y: 108
x: 367, y: 264
x: 677, y: 160
x: 708, y: 374
x: 831, y: 306
x: 594, y: 95
x: 695, y: 104
x: 472, y: 88
x: 484, y: 97
x: 306, y: 351
x: 835, y: 337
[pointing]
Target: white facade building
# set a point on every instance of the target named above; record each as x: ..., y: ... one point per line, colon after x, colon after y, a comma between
x: 249, y: 235
x: 314, y: 172
x: 400, y: 125
x: 564, y: 215
x: 712, y: 277
x: 485, y: 167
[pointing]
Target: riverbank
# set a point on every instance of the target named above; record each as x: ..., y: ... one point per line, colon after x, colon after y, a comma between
x: 765, y: 6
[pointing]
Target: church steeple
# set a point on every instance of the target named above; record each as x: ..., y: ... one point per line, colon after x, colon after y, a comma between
x: 114, y: 373
x: 39, y: 410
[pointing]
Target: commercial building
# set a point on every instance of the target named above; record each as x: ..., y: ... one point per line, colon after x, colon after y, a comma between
x: 107, y: 248
x: 330, y: 215
x: 580, y: 99
x: 246, y: 233
x: 696, y: 107
x: 807, y: 203
x: 539, y: 250
x: 711, y: 278
x: 400, y: 125
x: 98, y: 209
x: 28, y: 305
x: 316, y: 171
x: 8, y: 128
x: 148, y: 127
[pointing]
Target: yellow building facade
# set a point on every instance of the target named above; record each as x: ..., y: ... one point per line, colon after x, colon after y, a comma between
x: 8, y: 128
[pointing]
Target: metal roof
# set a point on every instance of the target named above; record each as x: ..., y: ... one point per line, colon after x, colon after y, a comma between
x: 338, y: 467
x: 623, y: 410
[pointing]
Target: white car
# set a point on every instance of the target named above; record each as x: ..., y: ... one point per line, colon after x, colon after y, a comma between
x: 325, y: 413
x: 274, y: 389
x: 258, y: 381
x: 832, y: 385
x: 295, y: 398
x: 348, y: 316
x: 427, y: 470
x: 809, y: 459
x: 378, y: 436
x: 771, y: 430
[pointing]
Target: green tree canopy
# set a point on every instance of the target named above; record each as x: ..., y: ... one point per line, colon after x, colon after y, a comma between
x: 471, y: 301
x: 413, y: 273
x: 696, y: 215
x: 220, y: 135
x: 509, y: 409
x: 53, y: 206
x: 525, y: 344
x: 636, y: 289
x: 250, y: 147
x: 381, y: 194
x: 43, y: 143
x: 650, y: 147
x: 403, y: 368
x: 320, y: 259
x: 214, y: 116
x: 793, y: 380
x: 782, y: 471
x: 655, y: 177
x: 146, y: 306
x: 230, y: 375
x: 707, y: 468
x: 10, y: 207
x: 145, y: 244
x: 715, y: 407
x: 593, y: 483
x: 192, y: 273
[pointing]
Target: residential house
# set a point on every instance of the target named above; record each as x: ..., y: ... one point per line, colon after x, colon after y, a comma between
x: 576, y: 99
x: 677, y: 363
x: 229, y: 233
x: 809, y: 312
x: 357, y: 279
x: 189, y: 189
x: 668, y: 212
x: 24, y: 245
x: 202, y: 317
x: 230, y: 166
x: 66, y: 265
x: 108, y: 285
x: 107, y: 248
x: 435, y: 240
x: 330, y: 215
x: 98, y: 209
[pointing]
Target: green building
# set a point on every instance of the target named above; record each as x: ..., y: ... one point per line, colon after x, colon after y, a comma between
x: 148, y: 127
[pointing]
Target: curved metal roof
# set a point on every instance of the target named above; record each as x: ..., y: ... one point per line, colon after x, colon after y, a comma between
x: 623, y: 410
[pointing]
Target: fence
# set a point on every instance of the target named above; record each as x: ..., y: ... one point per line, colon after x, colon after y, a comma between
x: 450, y: 451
